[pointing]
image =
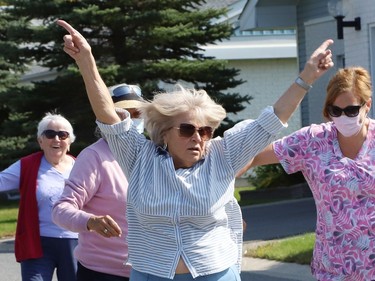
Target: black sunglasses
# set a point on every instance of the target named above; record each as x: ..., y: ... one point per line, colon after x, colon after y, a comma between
x: 51, y: 134
x: 125, y: 89
x: 188, y: 130
x: 350, y: 111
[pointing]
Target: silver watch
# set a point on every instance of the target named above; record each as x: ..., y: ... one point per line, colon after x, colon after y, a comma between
x: 299, y: 81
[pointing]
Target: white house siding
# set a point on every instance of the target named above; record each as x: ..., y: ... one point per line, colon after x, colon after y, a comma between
x: 357, y: 45
x: 266, y: 80
x: 314, y: 25
x: 360, y: 45
x: 314, y: 102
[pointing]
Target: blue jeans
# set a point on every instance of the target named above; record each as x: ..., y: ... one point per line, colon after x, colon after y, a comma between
x: 57, y: 253
x: 85, y: 274
x: 230, y: 274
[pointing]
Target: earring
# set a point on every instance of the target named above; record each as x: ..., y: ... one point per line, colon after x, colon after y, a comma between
x: 165, y: 146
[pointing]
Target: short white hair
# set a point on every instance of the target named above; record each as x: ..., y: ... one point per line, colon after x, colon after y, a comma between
x: 43, y: 124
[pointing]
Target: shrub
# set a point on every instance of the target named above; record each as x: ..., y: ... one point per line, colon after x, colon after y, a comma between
x: 270, y: 176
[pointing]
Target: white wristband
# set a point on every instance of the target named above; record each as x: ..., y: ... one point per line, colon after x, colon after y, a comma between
x: 303, y: 84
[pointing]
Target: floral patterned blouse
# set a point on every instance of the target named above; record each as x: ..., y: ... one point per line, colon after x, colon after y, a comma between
x: 344, y: 193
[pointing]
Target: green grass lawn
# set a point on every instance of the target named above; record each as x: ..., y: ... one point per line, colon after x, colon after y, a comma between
x: 296, y: 249
x: 8, y: 218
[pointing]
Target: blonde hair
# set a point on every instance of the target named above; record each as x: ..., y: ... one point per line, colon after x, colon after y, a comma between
x: 158, y: 114
x: 355, y: 79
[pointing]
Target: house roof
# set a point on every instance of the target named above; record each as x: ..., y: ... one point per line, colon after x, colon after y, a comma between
x: 217, y: 4
x: 248, y: 47
x: 268, y: 14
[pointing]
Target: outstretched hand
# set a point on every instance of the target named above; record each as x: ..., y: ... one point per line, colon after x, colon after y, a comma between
x: 75, y: 45
x: 319, y: 62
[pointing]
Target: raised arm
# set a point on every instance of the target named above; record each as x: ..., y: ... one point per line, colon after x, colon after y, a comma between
x: 318, y: 64
x: 79, y: 49
x: 265, y: 157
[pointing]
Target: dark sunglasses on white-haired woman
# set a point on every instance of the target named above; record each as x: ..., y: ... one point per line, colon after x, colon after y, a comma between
x: 51, y: 134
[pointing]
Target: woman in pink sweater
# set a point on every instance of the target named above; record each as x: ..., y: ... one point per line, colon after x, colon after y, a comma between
x: 94, y: 203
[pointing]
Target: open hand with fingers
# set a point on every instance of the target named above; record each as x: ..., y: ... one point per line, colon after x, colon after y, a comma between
x: 104, y: 225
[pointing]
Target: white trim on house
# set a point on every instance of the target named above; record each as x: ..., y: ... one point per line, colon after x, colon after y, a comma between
x: 254, y: 47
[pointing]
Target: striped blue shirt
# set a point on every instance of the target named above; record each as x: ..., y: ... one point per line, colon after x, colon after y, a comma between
x: 186, y: 213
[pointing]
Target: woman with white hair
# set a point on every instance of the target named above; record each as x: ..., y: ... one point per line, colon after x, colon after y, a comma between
x: 184, y: 222
x: 40, y: 245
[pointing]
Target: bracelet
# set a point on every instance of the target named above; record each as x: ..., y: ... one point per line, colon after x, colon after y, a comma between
x: 299, y: 81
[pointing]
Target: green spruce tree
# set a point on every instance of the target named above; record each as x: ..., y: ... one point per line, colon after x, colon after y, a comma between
x: 14, y: 123
x: 141, y: 42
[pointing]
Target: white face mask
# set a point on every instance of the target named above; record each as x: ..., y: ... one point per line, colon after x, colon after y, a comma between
x: 348, y: 126
x: 139, y: 124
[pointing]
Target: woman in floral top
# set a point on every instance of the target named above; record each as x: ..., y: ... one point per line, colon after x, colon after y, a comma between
x: 337, y: 159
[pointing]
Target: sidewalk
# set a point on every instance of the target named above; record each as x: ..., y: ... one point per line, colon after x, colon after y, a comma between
x: 290, y: 271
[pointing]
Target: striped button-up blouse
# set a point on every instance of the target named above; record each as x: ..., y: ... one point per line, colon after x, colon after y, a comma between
x: 186, y: 213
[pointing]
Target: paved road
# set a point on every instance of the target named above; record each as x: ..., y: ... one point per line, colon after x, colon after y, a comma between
x: 9, y: 268
x: 274, y: 221
x: 278, y: 220
x: 264, y: 222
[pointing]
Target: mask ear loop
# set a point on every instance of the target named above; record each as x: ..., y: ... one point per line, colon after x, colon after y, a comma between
x: 363, y: 121
x: 368, y: 107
